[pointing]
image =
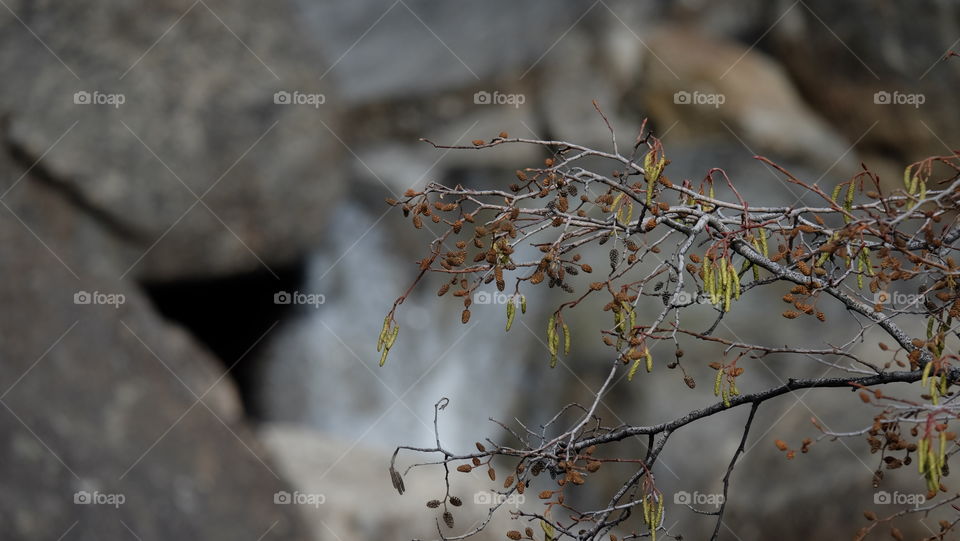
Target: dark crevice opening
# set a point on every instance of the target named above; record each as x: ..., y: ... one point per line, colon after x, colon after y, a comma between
x: 229, y: 314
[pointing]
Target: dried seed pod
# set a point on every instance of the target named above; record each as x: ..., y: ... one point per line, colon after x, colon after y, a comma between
x: 448, y: 519
x: 397, y: 480
x: 433, y: 504
x: 614, y: 258
x: 464, y: 468
x: 455, y: 501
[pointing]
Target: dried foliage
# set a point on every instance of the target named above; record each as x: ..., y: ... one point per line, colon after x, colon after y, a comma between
x: 857, y: 246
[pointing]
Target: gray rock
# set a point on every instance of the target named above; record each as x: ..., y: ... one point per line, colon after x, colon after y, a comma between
x: 381, y: 50
x: 99, y: 401
x: 144, y: 163
x: 735, y: 94
x: 841, y: 54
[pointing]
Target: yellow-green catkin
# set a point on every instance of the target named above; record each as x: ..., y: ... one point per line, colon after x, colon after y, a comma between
x: 383, y: 333
x: 652, y: 167
x: 552, y: 341
x: 386, y: 339
x: 633, y: 369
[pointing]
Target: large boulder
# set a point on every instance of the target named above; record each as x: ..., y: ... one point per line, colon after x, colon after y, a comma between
x: 877, y: 70
x: 415, y: 48
x: 734, y: 93
x: 105, y: 402
x: 138, y: 146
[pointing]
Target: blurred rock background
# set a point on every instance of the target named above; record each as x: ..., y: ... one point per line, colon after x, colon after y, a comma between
x: 196, y: 201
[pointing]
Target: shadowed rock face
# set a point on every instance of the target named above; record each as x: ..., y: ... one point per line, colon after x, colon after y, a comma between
x: 103, y: 398
x: 842, y: 53
x: 733, y: 91
x: 198, y: 119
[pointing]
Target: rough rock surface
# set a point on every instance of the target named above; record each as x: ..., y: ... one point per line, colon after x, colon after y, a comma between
x: 103, y: 398
x: 144, y: 163
x: 842, y: 53
x: 734, y: 93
